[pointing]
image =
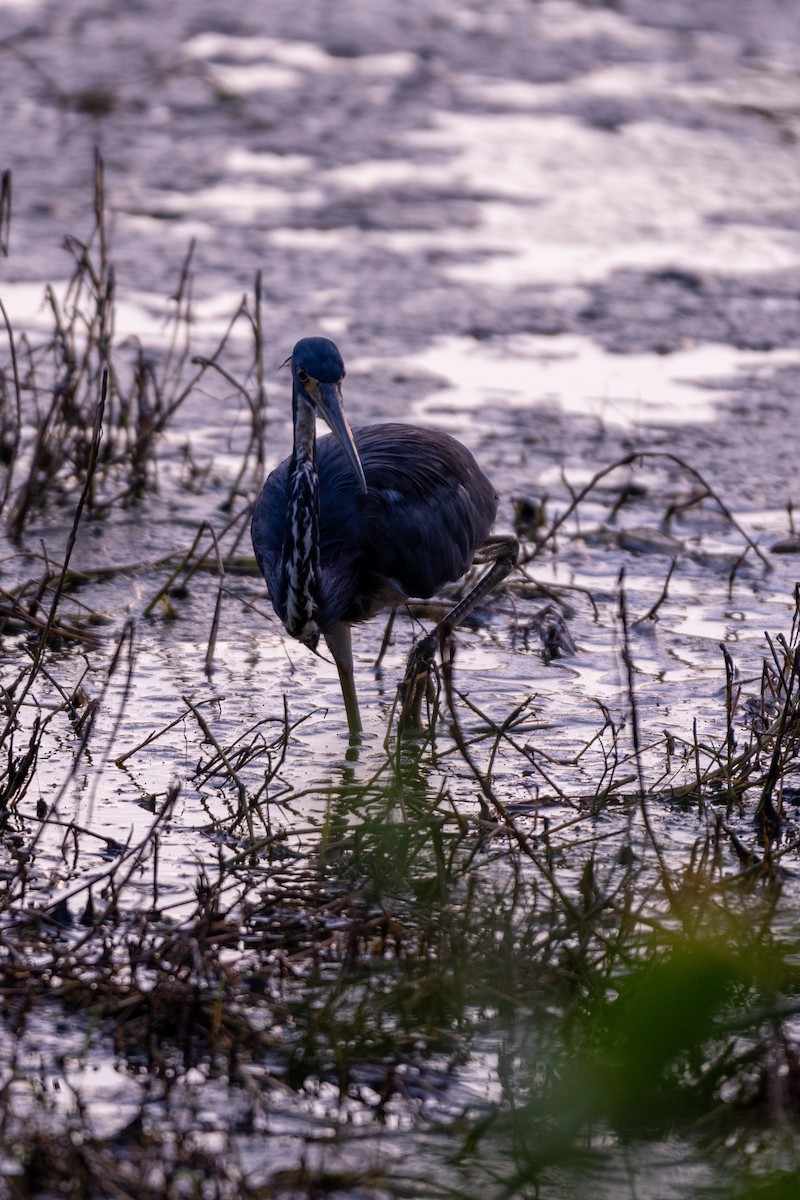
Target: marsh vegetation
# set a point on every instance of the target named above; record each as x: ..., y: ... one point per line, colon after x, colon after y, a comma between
x: 549, y: 942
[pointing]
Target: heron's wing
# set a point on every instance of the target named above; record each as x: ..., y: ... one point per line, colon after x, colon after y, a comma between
x: 427, y: 509
x: 267, y: 529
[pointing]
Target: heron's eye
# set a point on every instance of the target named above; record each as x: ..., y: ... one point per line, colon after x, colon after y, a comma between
x: 302, y: 376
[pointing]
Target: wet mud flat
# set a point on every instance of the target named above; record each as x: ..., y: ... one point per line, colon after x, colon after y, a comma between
x: 551, y: 943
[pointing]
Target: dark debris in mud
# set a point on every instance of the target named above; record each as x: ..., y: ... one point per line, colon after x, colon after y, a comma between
x: 663, y: 311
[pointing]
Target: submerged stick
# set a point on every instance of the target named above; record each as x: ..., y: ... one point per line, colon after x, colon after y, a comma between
x: 626, y: 462
x: 5, y: 212
x: 14, y: 449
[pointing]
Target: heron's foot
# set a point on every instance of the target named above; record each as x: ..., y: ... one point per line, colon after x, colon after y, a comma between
x: 499, y: 548
x: 416, y: 683
x: 502, y: 553
x: 552, y: 628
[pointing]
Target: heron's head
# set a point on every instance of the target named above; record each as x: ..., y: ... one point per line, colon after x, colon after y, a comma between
x: 317, y: 359
x: 317, y: 374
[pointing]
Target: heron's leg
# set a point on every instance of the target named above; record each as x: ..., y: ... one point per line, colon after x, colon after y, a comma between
x: 416, y: 681
x: 502, y: 553
x: 341, y: 647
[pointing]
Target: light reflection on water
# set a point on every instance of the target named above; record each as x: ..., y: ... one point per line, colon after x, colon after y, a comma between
x: 581, y: 377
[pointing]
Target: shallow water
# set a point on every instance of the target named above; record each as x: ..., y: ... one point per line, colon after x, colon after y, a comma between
x: 564, y: 234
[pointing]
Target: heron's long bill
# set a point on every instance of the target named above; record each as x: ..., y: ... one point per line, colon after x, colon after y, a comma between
x: 328, y: 398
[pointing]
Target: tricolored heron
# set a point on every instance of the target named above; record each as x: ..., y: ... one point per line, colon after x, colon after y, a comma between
x: 361, y: 521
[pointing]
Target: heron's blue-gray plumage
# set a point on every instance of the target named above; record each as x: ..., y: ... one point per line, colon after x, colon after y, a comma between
x: 427, y: 509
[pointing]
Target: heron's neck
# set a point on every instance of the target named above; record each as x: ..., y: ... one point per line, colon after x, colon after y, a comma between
x: 301, y: 541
